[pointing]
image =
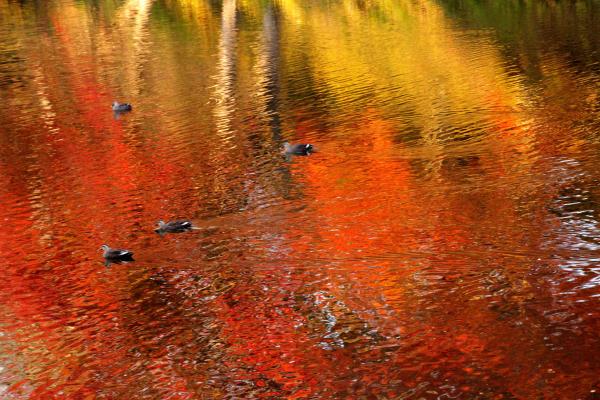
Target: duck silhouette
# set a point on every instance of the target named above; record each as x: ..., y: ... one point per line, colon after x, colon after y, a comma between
x: 298, y: 149
x: 121, y: 107
x: 174, y: 227
x: 115, y: 256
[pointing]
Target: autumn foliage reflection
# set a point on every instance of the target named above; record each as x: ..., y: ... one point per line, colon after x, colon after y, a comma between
x: 440, y: 242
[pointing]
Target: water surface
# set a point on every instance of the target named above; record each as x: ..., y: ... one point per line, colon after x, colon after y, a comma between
x: 442, y: 243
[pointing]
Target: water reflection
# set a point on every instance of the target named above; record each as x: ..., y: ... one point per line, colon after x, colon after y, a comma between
x: 131, y: 36
x: 226, y: 65
x: 267, y: 72
x: 441, y: 244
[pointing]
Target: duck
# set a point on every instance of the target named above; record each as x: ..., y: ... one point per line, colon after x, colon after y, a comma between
x: 121, y: 107
x: 174, y: 227
x: 298, y: 149
x: 115, y: 255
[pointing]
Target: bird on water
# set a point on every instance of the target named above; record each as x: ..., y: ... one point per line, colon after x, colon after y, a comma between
x: 121, y: 107
x: 174, y: 227
x: 299, y: 149
x: 115, y: 255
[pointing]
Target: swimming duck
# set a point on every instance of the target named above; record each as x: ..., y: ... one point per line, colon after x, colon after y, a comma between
x: 174, y: 227
x: 299, y: 149
x: 115, y: 255
x: 121, y: 107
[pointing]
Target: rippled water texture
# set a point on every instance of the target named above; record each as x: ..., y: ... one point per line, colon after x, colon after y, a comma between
x: 442, y: 243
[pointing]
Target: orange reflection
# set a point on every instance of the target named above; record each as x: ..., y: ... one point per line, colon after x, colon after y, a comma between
x: 412, y: 254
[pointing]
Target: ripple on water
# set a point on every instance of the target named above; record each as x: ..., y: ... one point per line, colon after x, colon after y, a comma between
x: 439, y: 244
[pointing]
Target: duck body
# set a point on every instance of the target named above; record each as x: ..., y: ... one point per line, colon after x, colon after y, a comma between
x: 298, y: 149
x: 174, y: 227
x: 115, y: 255
x: 121, y: 107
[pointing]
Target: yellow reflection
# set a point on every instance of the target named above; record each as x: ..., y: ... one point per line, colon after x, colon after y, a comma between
x: 432, y: 64
x: 224, y: 89
x: 198, y: 10
x: 266, y: 69
x: 292, y: 9
x: 408, y: 49
x: 132, y: 20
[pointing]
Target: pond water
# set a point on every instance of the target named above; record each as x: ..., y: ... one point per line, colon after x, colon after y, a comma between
x: 442, y: 243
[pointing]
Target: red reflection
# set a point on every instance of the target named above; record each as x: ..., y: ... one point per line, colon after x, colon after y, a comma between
x: 398, y: 271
